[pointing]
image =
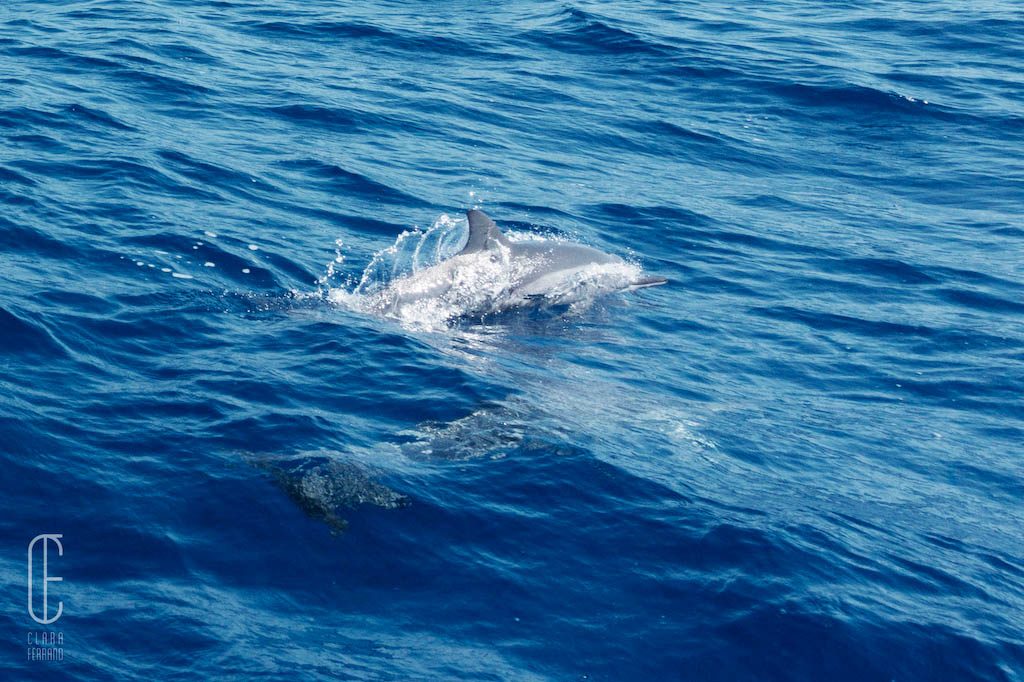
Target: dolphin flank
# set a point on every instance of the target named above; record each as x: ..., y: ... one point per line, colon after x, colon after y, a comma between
x: 493, y: 273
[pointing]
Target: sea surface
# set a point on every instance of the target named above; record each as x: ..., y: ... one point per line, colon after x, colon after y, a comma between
x: 801, y: 459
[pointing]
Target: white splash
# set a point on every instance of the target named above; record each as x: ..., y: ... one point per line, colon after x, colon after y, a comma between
x: 468, y: 286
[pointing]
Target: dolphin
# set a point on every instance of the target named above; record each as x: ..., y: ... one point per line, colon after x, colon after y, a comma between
x: 493, y: 273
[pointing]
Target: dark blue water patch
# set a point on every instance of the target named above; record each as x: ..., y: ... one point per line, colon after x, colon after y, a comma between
x: 579, y: 31
x: 694, y: 69
x: 718, y: 285
x: 1009, y: 231
x: 538, y: 211
x: 210, y: 175
x: 39, y: 142
x: 8, y: 175
x: 96, y: 116
x: 856, y: 100
x: 15, y: 238
x: 78, y: 63
x: 670, y: 232
x: 72, y: 117
x: 31, y: 26
x: 336, y: 179
x: 981, y: 301
x: 654, y: 215
x: 977, y: 278
x: 320, y: 30
x: 134, y: 336
x: 102, y: 173
x: 985, y: 396
x: 155, y: 54
x: 935, y: 339
x: 23, y: 335
x: 358, y: 223
x: 18, y: 117
x: 902, y: 644
x: 367, y: 36
x: 168, y: 90
x: 662, y: 139
x: 888, y: 269
x: 336, y: 119
x: 727, y: 240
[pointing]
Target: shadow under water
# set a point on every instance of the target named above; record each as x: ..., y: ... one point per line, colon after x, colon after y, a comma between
x: 324, y: 485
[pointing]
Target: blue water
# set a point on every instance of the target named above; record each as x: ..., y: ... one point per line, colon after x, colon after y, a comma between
x: 799, y: 460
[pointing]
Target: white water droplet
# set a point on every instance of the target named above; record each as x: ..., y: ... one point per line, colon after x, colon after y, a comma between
x: 209, y: 264
x: 181, y: 275
x: 253, y: 247
x: 246, y: 270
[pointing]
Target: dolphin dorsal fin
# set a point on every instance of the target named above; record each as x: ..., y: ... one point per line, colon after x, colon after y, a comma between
x: 483, y: 233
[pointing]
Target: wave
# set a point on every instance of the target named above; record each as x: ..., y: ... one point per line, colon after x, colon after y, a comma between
x: 405, y: 39
x: 336, y: 179
x: 579, y: 31
x: 21, y: 335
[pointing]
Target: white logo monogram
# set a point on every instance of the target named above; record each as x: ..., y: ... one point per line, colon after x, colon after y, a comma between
x: 46, y: 538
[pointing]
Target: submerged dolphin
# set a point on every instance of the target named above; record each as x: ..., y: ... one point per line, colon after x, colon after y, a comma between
x: 493, y: 273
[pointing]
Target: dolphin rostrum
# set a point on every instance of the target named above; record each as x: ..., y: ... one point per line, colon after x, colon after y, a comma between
x: 493, y: 273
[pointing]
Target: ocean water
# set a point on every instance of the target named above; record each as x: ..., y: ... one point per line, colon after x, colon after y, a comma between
x: 802, y: 459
